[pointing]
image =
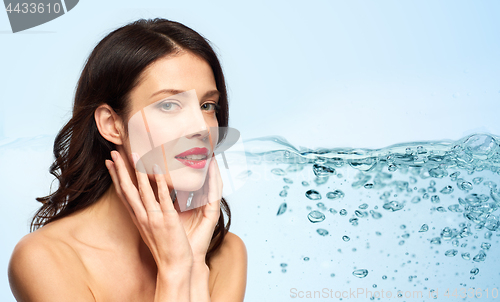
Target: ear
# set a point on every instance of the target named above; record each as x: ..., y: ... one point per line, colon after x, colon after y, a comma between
x: 109, y: 124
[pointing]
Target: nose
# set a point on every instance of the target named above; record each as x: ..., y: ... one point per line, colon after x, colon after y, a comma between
x: 197, y: 126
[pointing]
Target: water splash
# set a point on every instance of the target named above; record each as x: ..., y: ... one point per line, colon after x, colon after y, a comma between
x: 451, y: 185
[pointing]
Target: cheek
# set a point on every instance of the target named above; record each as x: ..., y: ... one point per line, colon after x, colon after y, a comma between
x: 164, y: 132
x: 138, y: 139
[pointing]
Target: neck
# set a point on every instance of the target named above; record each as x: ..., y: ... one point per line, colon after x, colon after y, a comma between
x: 112, y: 226
x: 109, y: 225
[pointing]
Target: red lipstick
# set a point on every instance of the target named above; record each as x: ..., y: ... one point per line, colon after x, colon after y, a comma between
x: 195, y: 158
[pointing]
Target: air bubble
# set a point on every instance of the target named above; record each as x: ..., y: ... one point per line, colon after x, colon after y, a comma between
x: 278, y: 171
x: 360, y: 273
x: 313, y: 195
x: 282, y: 209
x: 316, y: 216
x: 337, y: 194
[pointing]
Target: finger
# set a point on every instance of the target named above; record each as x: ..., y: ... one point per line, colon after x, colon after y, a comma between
x: 128, y: 188
x: 215, y: 187
x: 212, y: 212
x: 114, y: 177
x: 219, y: 177
x: 205, y: 189
x: 203, y: 199
x: 214, y: 193
x: 112, y: 172
x: 166, y: 204
x: 220, y: 187
x: 145, y: 191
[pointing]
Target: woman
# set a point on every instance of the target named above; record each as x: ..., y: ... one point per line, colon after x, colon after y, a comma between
x: 111, y: 233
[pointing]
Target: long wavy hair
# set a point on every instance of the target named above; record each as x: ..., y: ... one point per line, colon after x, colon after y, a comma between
x: 112, y: 70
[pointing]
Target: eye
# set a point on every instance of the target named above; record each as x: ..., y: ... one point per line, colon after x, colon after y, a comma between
x: 211, y: 107
x: 167, y: 106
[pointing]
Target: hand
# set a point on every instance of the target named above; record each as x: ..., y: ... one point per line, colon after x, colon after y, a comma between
x: 158, y: 222
x: 199, y: 223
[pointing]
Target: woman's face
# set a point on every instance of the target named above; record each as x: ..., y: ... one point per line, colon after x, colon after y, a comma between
x: 173, y: 112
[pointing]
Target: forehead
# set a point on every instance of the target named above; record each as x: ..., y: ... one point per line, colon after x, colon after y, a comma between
x: 181, y: 72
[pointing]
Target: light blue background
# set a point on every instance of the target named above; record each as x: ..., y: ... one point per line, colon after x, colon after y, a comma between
x: 321, y: 74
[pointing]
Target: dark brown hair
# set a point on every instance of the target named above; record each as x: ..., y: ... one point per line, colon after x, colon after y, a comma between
x: 112, y: 70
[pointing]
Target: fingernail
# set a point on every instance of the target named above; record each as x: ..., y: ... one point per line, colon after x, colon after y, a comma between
x: 113, y: 155
x: 135, y: 157
x: 107, y: 162
x: 156, y: 169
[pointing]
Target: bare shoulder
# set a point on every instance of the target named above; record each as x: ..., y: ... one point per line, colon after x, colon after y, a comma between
x: 230, y: 266
x: 232, y: 246
x: 43, y: 268
x: 232, y: 251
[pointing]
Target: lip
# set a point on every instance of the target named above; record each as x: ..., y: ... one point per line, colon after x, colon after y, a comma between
x: 194, y: 151
x: 195, y: 164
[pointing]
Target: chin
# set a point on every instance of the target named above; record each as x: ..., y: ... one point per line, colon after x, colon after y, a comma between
x: 188, y: 181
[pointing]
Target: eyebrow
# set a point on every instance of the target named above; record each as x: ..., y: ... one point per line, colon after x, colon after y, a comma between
x: 176, y: 91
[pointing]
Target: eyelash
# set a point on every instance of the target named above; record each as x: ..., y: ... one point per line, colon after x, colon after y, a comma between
x: 217, y: 107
